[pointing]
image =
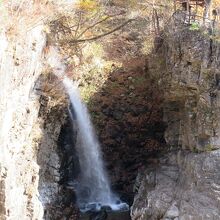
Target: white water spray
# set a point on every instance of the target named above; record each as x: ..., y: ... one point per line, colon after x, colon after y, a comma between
x: 93, y: 190
x: 94, y: 185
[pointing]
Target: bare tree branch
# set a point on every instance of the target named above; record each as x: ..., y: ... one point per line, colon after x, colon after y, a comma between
x: 97, y: 23
x: 101, y: 35
x: 78, y: 25
x: 93, y: 25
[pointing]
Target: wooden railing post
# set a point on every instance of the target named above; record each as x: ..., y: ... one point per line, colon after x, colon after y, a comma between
x: 188, y: 9
x: 174, y: 5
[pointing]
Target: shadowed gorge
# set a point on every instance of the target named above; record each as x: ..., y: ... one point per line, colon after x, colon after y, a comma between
x: 128, y: 116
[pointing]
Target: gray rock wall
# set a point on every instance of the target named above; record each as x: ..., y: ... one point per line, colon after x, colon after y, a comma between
x: 183, y: 186
x: 185, y: 183
x: 191, y: 106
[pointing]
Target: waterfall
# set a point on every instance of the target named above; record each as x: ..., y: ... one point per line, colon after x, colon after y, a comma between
x: 93, y: 188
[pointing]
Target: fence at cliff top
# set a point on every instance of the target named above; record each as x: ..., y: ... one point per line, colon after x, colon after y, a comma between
x: 198, y: 13
x: 197, y: 21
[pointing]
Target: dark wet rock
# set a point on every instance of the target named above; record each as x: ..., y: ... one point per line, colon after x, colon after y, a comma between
x: 67, y: 211
x: 117, y: 115
x: 106, y: 208
x: 107, y: 111
x: 113, y: 131
x: 104, y: 215
x: 68, y: 196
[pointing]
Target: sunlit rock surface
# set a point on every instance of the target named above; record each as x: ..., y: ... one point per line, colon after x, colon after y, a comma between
x: 20, y: 65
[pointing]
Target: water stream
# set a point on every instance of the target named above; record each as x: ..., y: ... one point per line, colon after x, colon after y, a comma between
x: 93, y: 190
x: 93, y: 187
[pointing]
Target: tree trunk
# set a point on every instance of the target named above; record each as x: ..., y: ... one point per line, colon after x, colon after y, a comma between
x: 206, y: 10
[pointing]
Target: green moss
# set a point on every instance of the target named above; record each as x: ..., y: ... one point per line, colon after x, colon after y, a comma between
x: 195, y: 150
x: 194, y: 26
x: 206, y: 148
x: 209, y: 147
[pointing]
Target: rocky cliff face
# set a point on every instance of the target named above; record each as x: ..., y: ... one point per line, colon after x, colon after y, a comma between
x: 185, y: 183
x: 20, y: 66
x: 30, y: 123
x: 191, y: 107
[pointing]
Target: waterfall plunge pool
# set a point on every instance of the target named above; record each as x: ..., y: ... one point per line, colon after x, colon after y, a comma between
x: 96, y: 207
x: 98, y: 211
